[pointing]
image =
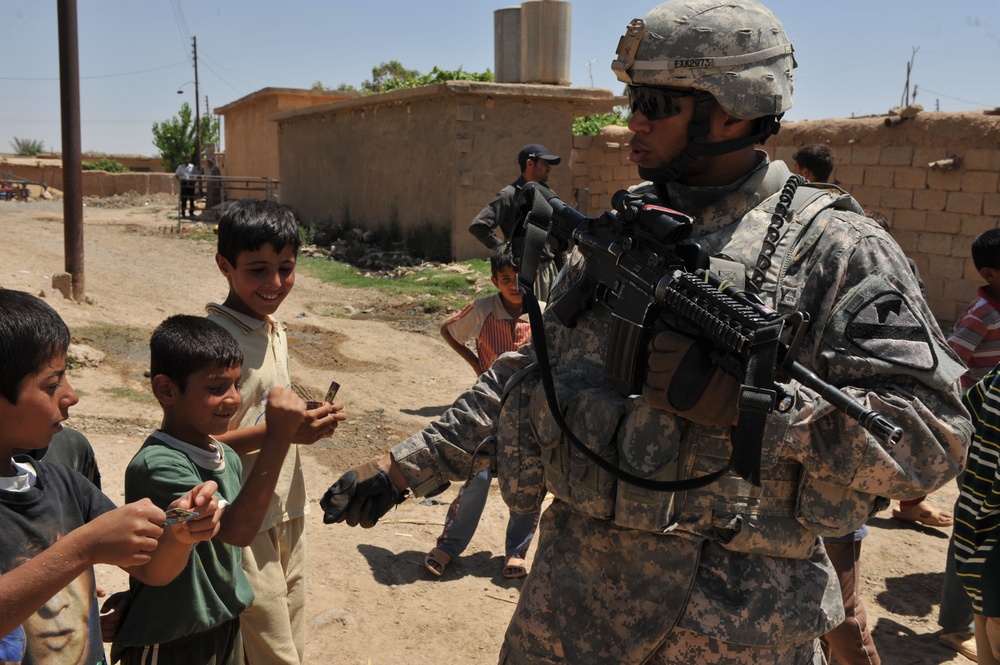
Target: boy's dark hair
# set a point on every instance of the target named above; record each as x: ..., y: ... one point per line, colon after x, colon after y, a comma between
x: 184, y: 344
x: 986, y: 250
x: 501, y: 259
x: 31, y: 335
x: 879, y: 219
x: 249, y: 224
x: 818, y: 158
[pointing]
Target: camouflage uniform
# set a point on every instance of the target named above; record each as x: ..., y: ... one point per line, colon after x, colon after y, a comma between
x: 729, y: 572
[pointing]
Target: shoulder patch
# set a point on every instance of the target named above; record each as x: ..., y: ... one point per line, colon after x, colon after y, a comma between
x: 886, y: 327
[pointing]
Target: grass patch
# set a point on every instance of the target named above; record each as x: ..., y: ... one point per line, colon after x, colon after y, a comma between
x: 131, y: 394
x: 119, y: 343
x: 434, y: 288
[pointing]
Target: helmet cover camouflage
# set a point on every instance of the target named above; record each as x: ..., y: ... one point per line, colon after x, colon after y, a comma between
x: 736, y: 51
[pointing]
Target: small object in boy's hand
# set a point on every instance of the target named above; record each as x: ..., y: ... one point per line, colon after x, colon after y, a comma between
x: 312, y: 405
x: 178, y: 515
x: 331, y: 394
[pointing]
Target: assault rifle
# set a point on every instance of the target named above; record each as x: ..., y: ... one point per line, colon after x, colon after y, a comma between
x: 643, y: 267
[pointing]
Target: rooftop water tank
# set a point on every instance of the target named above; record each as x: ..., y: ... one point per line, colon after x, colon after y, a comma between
x: 545, y: 30
x: 507, y: 45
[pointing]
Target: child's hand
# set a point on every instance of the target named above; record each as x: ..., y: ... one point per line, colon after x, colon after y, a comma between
x: 125, y: 536
x: 319, y: 423
x: 202, y: 500
x: 284, y: 414
x: 113, y: 613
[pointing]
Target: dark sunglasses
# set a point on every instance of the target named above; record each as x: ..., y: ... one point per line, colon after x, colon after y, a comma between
x: 655, y: 103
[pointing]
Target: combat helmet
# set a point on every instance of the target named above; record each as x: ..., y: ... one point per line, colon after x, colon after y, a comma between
x: 735, y: 53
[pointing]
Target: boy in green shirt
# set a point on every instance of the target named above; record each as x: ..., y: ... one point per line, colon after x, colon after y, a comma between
x: 195, y: 368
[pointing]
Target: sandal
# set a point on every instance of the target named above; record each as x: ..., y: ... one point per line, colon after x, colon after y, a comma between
x: 924, y: 513
x: 436, y: 561
x: 514, y: 567
x: 963, y: 643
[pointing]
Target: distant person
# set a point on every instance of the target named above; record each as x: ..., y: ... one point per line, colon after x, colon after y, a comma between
x: 187, y: 173
x: 814, y: 162
x: 496, y: 323
x: 213, y: 186
x: 258, y: 247
x: 976, y: 338
x: 56, y: 524
x: 501, y: 212
x: 195, y: 370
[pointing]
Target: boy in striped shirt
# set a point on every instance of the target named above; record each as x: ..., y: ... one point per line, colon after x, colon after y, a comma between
x: 496, y: 323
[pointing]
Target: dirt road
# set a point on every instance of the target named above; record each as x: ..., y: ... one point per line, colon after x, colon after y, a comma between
x: 370, y: 600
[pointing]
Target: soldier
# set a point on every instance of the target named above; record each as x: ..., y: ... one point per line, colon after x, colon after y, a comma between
x: 729, y: 572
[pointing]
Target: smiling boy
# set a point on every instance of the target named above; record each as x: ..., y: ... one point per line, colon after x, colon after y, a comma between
x: 257, y: 252
x: 195, y: 368
x: 56, y: 524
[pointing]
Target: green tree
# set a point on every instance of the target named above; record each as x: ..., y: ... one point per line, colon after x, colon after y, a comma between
x: 386, y: 72
x: 27, y: 147
x: 175, y: 137
x: 393, y: 76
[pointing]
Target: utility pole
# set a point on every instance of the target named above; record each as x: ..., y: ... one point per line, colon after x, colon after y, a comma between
x: 197, y: 110
x: 72, y: 160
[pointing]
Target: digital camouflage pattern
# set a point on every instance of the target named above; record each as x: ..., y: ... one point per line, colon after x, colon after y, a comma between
x: 737, y: 52
x: 618, y: 568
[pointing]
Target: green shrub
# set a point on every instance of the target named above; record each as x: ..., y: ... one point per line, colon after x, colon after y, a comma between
x: 27, y: 147
x: 589, y: 125
x: 105, y: 164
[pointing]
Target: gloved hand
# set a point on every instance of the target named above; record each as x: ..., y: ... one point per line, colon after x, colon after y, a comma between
x: 361, y: 496
x: 684, y: 380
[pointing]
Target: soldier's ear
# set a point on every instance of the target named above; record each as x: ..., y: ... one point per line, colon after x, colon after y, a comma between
x: 725, y: 126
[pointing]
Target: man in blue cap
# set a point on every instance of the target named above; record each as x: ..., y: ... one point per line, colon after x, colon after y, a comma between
x: 536, y: 162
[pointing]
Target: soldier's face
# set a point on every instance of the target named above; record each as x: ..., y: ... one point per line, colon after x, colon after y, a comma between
x: 657, y: 142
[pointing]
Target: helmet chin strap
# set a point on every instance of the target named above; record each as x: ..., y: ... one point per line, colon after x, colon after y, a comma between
x: 699, y: 146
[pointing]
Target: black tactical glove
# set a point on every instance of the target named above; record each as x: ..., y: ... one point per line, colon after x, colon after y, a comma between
x: 361, y: 496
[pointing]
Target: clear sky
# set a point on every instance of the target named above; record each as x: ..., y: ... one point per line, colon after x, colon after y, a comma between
x: 135, y: 54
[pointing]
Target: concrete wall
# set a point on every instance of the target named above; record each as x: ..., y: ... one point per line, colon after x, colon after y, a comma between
x: 427, y: 158
x: 251, y: 139
x: 934, y: 214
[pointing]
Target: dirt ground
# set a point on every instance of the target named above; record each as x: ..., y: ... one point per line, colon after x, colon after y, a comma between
x: 370, y: 600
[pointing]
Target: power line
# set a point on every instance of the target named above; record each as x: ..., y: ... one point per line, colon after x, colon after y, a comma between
x: 219, y: 77
x: 182, y: 28
x: 957, y: 99
x: 102, y: 76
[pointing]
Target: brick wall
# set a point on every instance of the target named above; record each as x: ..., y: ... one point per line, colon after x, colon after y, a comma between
x: 934, y: 213
x: 601, y: 167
